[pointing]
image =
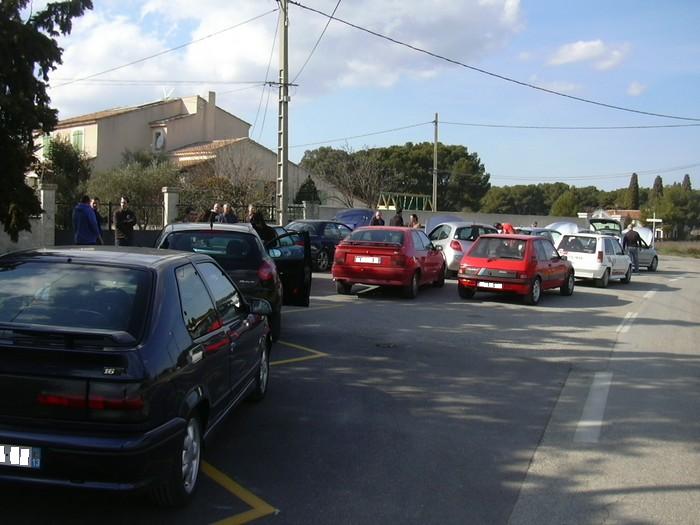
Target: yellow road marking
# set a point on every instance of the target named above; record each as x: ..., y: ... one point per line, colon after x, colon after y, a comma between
x: 259, y: 507
x: 315, y: 354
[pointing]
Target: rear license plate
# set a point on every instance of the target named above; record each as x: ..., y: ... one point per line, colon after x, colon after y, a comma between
x: 370, y: 260
x: 483, y: 284
x: 19, y: 456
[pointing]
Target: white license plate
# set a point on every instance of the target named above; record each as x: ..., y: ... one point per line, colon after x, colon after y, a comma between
x: 370, y: 260
x: 19, y: 456
x: 483, y: 284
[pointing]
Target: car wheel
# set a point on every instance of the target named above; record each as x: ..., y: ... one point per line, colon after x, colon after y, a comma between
x: 568, y: 287
x: 181, y: 484
x: 263, y: 375
x: 323, y: 261
x: 276, y: 324
x: 628, y: 276
x: 441, y: 278
x: 604, y: 281
x: 411, y: 291
x: 342, y: 287
x: 654, y: 264
x: 465, y: 292
x: 533, y: 296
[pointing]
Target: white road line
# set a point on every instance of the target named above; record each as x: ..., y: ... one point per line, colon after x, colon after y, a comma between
x: 588, y: 429
x: 626, y: 323
x: 675, y: 279
x: 650, y: 294
x: 368, y: 289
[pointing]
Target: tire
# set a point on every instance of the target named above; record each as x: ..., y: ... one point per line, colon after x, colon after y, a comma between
x: 441, y: 278
x: 465, y: 292
x: 342, y: 287
x: 275, y: 324
x: 533, y: 296
x: 568, y: 287
x: 411, y: 291
x: 654, y: 264
x: 262, y: 376
x: 628, y: 276
x: 603, y: 281
x: 182, y: 480
x: 323, y: 261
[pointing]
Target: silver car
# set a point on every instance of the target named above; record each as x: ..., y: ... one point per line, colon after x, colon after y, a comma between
x: 456, y: 238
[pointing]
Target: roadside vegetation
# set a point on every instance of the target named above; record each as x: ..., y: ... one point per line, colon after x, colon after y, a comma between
x: 682, y: 248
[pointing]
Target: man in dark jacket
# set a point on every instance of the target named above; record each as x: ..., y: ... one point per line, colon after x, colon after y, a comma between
x: 266, y: 233
x: 95, y: 203
x: 85, y: 226
x: 124, y: 222
x: 631, y: 241
x: 397, y: 220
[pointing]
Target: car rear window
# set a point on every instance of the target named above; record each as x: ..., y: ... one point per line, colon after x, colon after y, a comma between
x: 232, y: 250
x: 377, y: 235
x: 498, y: 248
x: 573, y: 243
x: 74, y: 295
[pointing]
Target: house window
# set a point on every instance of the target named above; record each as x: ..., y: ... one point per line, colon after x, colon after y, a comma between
x: 78, y: 139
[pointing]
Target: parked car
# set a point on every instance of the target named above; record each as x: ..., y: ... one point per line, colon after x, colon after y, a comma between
x: 388, y: 256
x: 257, y: 271
x: 117, y: 365
x: 548, y: 233
x: 597, y: 257
x: 354, y: 217
x: 522, y: 264
x: 324, y: 236
x: 648, y: 257
x: 455, y: 238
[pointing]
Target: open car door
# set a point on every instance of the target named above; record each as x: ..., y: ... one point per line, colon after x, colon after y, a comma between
x: 291, y: 252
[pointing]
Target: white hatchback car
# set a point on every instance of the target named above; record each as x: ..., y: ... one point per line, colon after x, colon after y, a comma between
x: 597, y: 257
x: 455, y: 239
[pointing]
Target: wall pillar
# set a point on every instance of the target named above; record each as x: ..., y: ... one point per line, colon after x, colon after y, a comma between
x: 171, y: 199
x: 47, y: 196
x: 310, y: 210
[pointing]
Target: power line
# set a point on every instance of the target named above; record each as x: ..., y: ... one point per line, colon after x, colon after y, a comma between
x: 146, y: 82
x: 495, y: 75
x: 317, y: 42
x: 512, y: 126
x: 267, y: 73
x: 362, y: 136
x: 166, y: 51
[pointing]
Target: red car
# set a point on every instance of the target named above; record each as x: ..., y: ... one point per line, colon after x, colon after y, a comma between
x: 388, y: 256
x: 521, y: 264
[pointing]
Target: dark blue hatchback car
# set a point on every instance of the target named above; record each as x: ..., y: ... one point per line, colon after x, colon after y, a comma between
x: 116, y: 365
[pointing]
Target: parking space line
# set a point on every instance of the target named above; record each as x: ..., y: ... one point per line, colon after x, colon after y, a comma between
x: 311, y: 309
x: 626, y: 323
x: 259, y: 508
x: 588, y: 429
x: 368, y: 289
x: 650, y: 294
x: 315, y: 354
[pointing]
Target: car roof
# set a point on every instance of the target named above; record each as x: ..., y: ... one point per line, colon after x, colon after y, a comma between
x: 388, y: 228
x: 516, y: 236
x: 243, y: 227
x: 459, y: 224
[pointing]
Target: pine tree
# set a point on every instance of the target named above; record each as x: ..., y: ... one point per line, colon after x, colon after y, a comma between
x: 307, y: 192
x: 657, y: 190
x: 633, y: 193
x: 686, y: 183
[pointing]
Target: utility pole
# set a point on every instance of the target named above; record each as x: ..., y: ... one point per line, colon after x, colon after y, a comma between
x: 283, y: 118
x: 435, y: 170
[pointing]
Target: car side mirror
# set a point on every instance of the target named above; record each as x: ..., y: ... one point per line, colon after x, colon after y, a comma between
x: 275, y: 253
x: 260, y: 307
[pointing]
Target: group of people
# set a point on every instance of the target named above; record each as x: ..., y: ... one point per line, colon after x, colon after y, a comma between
x: 396, y: 220
x: 87, y: 222
x: 222, y: 214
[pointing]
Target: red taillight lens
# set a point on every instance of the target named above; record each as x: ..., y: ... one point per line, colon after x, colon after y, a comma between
x: 455, y: 245
x: 266, y: 272
x: 339, y: 257
x: 600, y: 257
x: 56, y: 400
x: 93, y: 402
x: 398, y: 260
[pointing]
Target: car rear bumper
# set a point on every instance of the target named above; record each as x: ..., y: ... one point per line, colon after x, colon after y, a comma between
x: 374, y: 276
x: 518, y: 286
x: 118, y: 462
x: 589, y: 273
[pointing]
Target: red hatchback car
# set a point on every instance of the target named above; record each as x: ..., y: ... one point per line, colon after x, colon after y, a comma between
x: 388, y: 256
x: 521, y: 264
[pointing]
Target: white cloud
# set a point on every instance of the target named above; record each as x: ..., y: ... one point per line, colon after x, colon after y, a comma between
x: 555, y: 85
x: 635, y: 89
x: 604, y: 56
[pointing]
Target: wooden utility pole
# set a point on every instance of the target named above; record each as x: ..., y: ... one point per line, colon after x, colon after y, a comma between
x: 435, y: 169
x: 283, y: 118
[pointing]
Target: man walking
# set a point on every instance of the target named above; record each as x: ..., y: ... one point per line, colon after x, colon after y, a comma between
x: 124, y: 222
x: 85, y: 229
x: 631, y: 242
x: 397, y: 220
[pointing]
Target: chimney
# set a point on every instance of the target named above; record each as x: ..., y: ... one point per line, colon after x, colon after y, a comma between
x: 210, y: 116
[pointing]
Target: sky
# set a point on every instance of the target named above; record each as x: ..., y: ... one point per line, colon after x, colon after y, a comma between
x: 359, y: 90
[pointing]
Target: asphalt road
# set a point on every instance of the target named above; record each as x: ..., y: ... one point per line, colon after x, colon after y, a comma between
x: 438, y: 410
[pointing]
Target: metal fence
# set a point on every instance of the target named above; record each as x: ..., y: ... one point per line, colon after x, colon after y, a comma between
x: 294, y: 212
x: 148, y: 216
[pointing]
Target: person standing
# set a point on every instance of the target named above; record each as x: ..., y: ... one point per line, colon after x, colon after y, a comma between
x: 228, y: 216
x: 124, y: 222
x: 377, y: 220
x: 631, y: 242
x: 250, y: 213
x: 414, y: 222
x: 266, y: 233
x: 397, y: 220
x: 95, y: 203
x: 85, y: 229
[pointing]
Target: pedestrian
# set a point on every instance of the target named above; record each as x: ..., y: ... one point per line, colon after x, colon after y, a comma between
x: 228, y: 216
x: 534, y: 224
x: 507, y: 228
x: 95, y: 203
x: 266, y: 233
x: 377, y: 220
x: 498, y: 226
x: 414, y: 222
x: 190, y: 215
x: 124, y: 222
x: 249, y: 214
x: 85, y: 229
x: 397, y: 220
x: 631, y: 242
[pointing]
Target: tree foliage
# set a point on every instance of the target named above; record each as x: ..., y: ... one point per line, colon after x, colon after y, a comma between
x: 66, y: 167
x: 632, y: 200
x: 566, y: 205
x: 29, y: 53
x: 307, y: 192
x: 686, y: 183
x: 657, y: 190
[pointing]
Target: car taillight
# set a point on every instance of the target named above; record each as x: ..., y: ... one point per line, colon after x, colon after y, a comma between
x: 600, y: 257
x: 339, y: 257
x: 93, y: 402
x: 455, y: 245
x: 266, y: 272
x: 398, y: 260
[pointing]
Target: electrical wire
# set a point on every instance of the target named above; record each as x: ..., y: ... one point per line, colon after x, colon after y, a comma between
x: 511, y: 126
x: 262, y: 126
x: 317, y: 42
x: 343, y: 139
x: 267, y: 72
x: 146, y: 82
x: 489, y: 73
x: 161, y: 53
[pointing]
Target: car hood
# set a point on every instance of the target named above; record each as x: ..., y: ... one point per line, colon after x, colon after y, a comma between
x: 646, y: 234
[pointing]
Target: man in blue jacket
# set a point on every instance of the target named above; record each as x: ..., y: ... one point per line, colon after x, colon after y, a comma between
x: 85, y: 226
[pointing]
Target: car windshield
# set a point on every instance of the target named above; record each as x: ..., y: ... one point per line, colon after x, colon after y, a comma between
x: 377, y: 235
x: 74, y: 295
x: 231, y: 249
x: 301, y: 227
x: 574, y: 243
x: 498, y: 248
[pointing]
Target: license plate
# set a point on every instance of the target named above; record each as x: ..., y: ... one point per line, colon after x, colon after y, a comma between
x: 19, y: 456
x: 370, y: 260
x: 483, y: 284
